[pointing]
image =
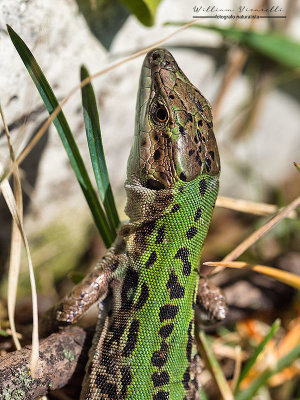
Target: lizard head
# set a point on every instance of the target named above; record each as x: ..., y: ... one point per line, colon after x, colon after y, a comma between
x: 174, y: 138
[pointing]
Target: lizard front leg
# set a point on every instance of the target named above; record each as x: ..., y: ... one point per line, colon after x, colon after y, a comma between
x: 93, y: 288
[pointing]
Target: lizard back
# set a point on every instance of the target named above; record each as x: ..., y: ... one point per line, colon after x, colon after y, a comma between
x: 146, y: 348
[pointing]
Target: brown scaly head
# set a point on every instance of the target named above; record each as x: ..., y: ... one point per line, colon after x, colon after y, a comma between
x: 174, y: 138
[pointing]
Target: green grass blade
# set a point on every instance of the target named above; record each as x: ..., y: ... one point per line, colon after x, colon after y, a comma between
x: 256, y: 353
x: 66, y: 136
x: 274, y: 45
x: 216, y: 371
x: 93, y: 133
x: 284, y: 362
x: 144, y: 10
x: 202, y: 394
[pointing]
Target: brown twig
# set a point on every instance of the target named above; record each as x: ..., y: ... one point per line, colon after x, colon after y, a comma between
x: 58, y: 360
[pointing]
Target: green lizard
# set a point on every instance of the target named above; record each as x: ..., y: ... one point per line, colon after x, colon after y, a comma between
x: 144, y: 347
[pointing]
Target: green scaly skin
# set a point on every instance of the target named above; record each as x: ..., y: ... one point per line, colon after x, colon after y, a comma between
x: 144, y: 346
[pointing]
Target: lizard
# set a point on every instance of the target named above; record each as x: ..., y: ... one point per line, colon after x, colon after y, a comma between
x: 144, y: 346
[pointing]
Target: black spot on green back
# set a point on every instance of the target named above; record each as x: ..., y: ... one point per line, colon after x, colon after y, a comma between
x: 176, y: 290
x: 175, y: 208
x: 160, y: 378
x: 168, y: 311
x: 183, y: 254
x: 166, y: 330
x: 143, y: 297
x: 161, y: 395
x: 132, y: 338
x: 160, y: 235
x: 191, y: 232
x: 159, y: 358
x: 197, y: 215
x: 189, y: 343
x: 186, y: 379
x: 151, y: 260
x: 130, y: 283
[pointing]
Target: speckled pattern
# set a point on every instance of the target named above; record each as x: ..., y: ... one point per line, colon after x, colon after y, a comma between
x: 145, y: 348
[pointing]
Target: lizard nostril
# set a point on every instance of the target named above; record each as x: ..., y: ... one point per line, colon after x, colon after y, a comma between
x: 156, y: 56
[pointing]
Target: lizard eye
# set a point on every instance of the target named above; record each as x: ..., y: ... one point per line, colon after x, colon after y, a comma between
x: 160, y: 114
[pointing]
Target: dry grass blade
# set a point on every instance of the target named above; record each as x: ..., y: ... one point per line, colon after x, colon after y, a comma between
x: 226, y: 351
x: 16, y: 243
x: 236, y: 60
x: 282, y: 276
x: 11, y: 203
x: 262, y: 230
x: 238, y: 367
x: 55, y: 113
x: 268, y: 355
x: 213, y: 365
x: 242, y: 247
x: 250, y: 207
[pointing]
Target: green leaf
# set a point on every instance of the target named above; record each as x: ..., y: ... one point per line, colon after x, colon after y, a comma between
x: 202, y: 394
x: 144, y: 10
x: 257, y: 352
x: 274, y: 45
x: 284, y: 362
x: 93, y: 133
x: 66, y: 136
x: 4, y: 333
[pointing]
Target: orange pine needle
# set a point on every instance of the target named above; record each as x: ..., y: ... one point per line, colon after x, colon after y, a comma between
x: 250, y: 207
x: 282, y: 276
